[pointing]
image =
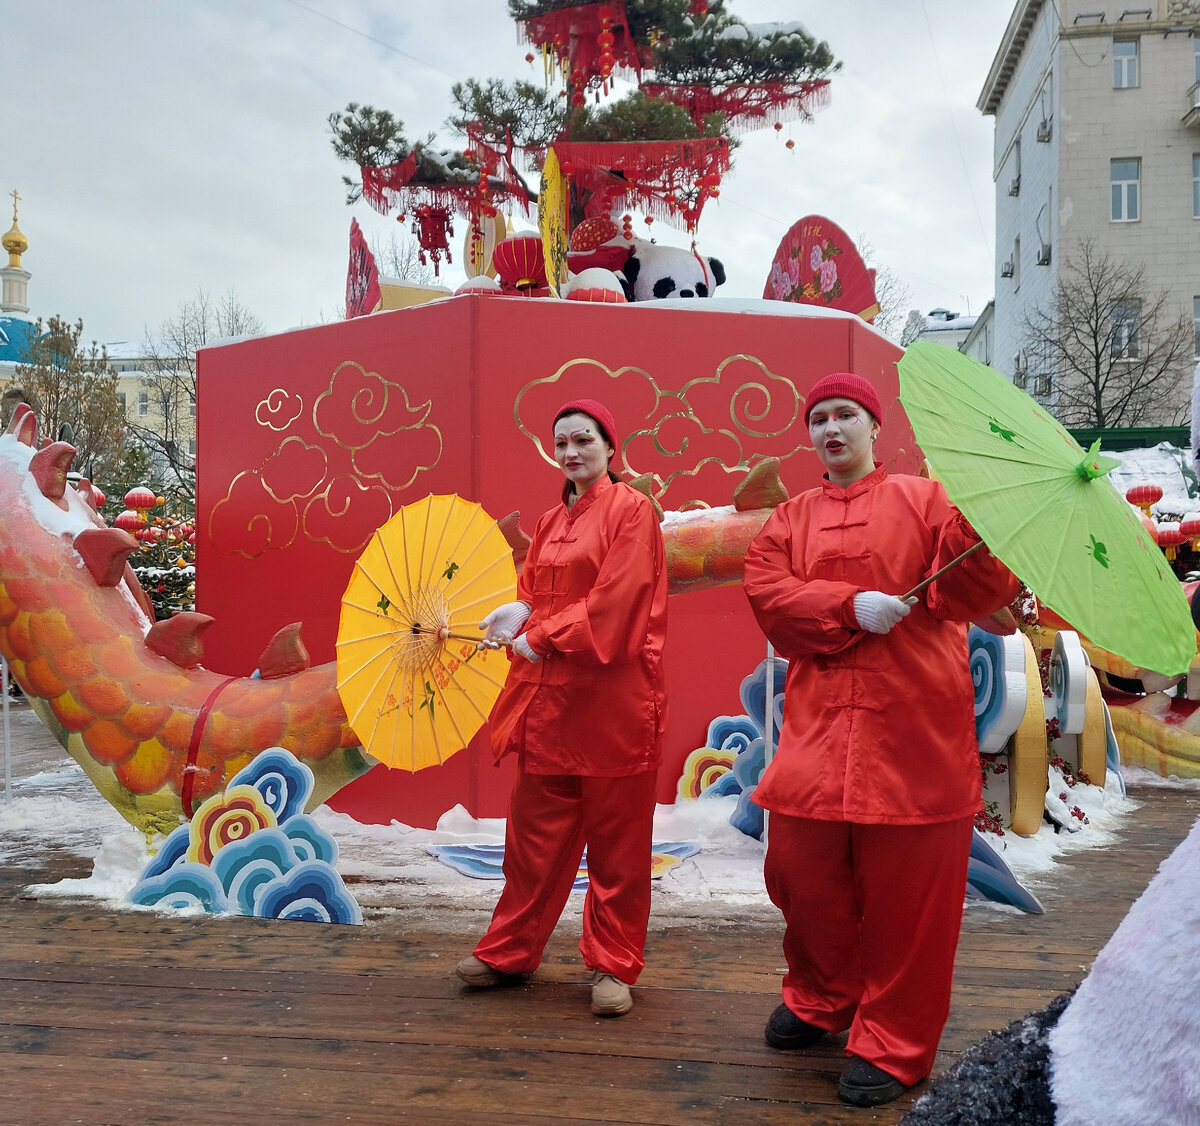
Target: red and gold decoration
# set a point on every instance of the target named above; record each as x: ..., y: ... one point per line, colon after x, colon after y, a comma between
x: 520, y: 262
x: 669, y: 180
x: 473, y: 190
x: 746, y: 107
x: 818, y: 264
x: 362, y: 276
x: 587, y: 41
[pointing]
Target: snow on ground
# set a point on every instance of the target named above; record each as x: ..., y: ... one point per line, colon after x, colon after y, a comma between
x: 389, y: 867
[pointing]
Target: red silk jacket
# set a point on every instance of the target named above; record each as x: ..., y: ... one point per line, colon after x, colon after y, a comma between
x: 877, y: 728
x: 596, y: 703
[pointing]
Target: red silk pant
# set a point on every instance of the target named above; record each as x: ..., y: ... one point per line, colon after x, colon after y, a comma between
x: 550, y: 819
x: 872, y: 916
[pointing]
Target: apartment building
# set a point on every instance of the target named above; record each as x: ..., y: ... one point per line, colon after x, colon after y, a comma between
x: 1097, y: 137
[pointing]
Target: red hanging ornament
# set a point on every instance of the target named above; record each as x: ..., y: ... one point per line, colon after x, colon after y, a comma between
x: 790, y: 143
x: 434, y: 230
x: 627, y: 226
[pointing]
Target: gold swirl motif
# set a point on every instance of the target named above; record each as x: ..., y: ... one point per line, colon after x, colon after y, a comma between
x: 274, y: 404
x: 741, y: 430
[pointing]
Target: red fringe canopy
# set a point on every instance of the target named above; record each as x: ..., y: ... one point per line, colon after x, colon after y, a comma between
x: 589, y: 41
x: 669, y: 180
x: 746, y: 107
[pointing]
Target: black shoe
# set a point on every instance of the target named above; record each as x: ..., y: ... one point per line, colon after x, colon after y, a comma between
x: 789, y: 1033
x: 864, y: 1084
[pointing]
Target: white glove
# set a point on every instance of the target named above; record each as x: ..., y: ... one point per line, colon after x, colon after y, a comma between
x: 877, y: 611
x: 503, y: 624
x: 523, y: 647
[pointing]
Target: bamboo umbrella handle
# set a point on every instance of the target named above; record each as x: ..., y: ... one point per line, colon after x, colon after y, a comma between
x: 941, y: 571
x: 450, y: 635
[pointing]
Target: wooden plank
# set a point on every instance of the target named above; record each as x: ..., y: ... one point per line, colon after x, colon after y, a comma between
x: 211, y: 1020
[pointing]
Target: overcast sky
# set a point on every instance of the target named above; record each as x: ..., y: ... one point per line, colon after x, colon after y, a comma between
x: 164, y: 147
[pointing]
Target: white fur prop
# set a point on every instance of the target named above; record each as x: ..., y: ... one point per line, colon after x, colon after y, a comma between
x: 1126, y: 1052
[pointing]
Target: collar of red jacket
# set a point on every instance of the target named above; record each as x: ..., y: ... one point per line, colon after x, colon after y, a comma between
x: 845, y: 492
x: 588, y: 498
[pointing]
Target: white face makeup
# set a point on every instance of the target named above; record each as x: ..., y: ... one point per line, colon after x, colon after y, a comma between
x: 843, y: 434
x: 580, y: 450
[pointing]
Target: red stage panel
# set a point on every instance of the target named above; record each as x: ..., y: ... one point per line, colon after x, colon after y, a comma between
x: 310, y: 439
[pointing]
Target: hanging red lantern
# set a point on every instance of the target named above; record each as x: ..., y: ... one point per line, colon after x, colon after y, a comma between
x: 1190, y: 527
x: 520, y: 261
x: 434, y: 230
x: 1143, y: 496
x: 130, y: 520
x: 790, y: 143
x: 1170, y: 538
x: 140, y: 498
x: 627, y: 226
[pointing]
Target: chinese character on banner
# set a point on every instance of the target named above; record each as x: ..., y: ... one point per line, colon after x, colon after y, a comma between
x: 362, y: 276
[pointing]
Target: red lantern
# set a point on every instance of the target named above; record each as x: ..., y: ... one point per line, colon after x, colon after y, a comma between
x: 140, y: 498
x: 1143, y: 496
x: 433, y: 234
x: 1190, y: 527
x: 1170, y: 538
x: 520, y: 261
x: 130, y: 520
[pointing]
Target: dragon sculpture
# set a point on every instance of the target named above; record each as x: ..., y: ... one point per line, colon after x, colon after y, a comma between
x: 129, y: 698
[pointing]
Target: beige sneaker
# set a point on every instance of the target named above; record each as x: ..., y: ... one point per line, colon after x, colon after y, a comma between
x: 610, y: 997
x: 477, y: 973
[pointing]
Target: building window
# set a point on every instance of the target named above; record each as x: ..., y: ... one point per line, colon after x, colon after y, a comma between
x: 1196, y: 58
x: 1125, y: 63
x: 1123, y: 338
x: 1125, y: 176
x: 192, y: 403
x: 1041, y: 385
x: 1016, y: 263
x: 121, y: 400
x: 1196, y: 321
x: 192, y: 446
x: 1195, y: 186
x: 143, y: 402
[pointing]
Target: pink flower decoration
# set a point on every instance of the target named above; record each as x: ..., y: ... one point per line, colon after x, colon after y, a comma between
x: 828, y: 275
x: 815, y: 258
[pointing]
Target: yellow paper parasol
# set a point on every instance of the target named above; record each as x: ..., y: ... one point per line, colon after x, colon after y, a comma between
x: 415, y: 688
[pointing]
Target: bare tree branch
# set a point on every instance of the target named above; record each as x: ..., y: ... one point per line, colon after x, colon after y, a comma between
x: 1110, y: 351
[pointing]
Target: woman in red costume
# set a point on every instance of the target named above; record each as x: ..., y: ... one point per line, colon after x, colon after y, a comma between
x: 583, y: 709
x: 874, y: 788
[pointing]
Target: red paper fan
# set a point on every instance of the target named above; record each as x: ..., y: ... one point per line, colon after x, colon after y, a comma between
x: 817, y: 264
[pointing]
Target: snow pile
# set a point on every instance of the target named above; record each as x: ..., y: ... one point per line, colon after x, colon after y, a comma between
x: 1127, y: 1050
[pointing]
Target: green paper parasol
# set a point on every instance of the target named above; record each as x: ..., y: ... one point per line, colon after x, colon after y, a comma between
x: 1045, y: 508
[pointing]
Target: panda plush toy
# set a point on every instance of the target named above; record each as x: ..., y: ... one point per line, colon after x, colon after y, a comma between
x: 656, y: 273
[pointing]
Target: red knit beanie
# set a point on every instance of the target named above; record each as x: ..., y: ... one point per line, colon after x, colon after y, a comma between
x: 844, y: 385
x: 599, y: 412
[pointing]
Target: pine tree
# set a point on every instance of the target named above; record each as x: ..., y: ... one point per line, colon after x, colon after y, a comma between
x: 703, y: 77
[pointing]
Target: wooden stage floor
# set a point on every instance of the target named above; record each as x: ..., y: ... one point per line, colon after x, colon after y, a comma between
x: 110, y: 1018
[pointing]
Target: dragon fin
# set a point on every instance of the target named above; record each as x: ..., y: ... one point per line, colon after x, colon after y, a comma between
x: 88, y: 491
x: 645, y: 485
x: 24, y: 425
x: 178, y: 638
x: 104, y: 552
x: 510, y: 526
x: 761, y: 487
x: 285, y: 654
x: 50, y: 467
